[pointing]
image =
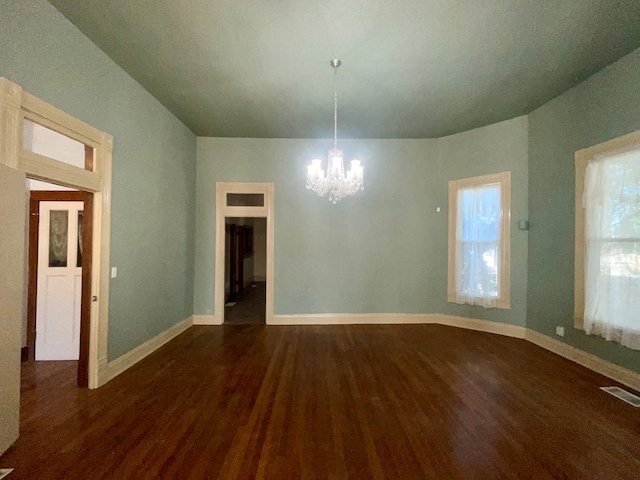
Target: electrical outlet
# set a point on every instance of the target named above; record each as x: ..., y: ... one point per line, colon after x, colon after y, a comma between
x: 560, y: 331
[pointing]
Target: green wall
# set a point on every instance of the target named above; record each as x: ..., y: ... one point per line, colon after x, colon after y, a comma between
x: 154, y: 155
x: 381, y: 251
x: 495, y: 148
x: 603, y: 107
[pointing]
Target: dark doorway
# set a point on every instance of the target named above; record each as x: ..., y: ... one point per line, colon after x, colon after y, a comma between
x: 245, y: 271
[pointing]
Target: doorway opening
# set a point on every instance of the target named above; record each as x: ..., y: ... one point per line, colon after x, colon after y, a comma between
x: 45, y: 144
x: 247, y: 209
x: 245, y: 270
x: 60, y: 252
x: 21, y: 158
x: 59, y: 261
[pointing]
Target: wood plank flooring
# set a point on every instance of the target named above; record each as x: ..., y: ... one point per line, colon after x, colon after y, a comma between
x: 329, y: 402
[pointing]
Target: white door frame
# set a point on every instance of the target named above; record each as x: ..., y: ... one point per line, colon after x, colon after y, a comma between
x: 12, y: 282
x: 223, y: 211
x: 16, y: 106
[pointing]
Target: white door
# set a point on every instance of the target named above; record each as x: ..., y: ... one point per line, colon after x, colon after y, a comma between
x: 59, y: 281
x: 13, y: 202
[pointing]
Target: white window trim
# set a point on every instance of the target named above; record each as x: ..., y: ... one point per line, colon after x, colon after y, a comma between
x: 612, y: 147
x: 504, y: 179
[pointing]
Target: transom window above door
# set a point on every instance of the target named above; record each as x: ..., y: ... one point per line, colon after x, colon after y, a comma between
x: 245, y: 199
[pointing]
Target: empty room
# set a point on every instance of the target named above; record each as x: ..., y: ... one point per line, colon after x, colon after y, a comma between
x: 319, y: 240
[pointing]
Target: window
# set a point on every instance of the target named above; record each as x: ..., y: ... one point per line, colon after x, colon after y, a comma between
x: 479, y: 240
x: 608, y: 244
x: 245, y: 199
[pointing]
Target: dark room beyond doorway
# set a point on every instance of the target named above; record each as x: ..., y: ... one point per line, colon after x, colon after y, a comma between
x: 245, y: 271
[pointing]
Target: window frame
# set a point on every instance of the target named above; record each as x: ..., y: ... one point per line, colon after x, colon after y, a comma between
x: 503, y: 301
x: 583, y: 157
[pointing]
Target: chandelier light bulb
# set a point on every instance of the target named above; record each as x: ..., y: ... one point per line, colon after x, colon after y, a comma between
x: 336, y: 184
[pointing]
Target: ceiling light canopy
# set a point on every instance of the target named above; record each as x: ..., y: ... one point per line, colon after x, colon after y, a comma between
x: 337, y: 184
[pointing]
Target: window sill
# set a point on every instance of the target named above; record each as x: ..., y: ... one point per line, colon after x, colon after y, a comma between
x: 500, y: 303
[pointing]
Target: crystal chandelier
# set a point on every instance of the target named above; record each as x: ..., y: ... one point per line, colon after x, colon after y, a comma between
x: 336, y: 184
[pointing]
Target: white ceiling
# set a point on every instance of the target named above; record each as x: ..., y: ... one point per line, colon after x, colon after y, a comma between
x: 411, y: 68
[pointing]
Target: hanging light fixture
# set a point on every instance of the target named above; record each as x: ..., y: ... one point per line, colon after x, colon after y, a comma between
x: 336, y: 183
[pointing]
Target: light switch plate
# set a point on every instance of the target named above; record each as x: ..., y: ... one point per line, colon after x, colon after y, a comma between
x: 114, y: 272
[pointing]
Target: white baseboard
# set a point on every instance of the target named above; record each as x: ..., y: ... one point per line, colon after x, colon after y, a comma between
x: 120, y: 364
x: 400, y: 318
x: 592, y: 362
x: 206, y: 320
x: 353, y: 318
x: 588, y: 360
x: 488, y: 326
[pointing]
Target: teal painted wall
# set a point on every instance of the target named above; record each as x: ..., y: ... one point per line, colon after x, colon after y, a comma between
x: 495, y: 148
x: 360, y: 255
x: 603, y: 107
x: 153, y: 205
x: 381, y: 251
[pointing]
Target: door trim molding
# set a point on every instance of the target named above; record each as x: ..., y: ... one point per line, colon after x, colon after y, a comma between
x: 17, y: 105
x: 223, y: 211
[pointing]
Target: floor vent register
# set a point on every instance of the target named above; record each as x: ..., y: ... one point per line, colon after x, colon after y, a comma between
x: 623, y: 395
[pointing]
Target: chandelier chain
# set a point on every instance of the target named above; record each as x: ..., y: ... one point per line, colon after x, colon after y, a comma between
x: 335, y: 107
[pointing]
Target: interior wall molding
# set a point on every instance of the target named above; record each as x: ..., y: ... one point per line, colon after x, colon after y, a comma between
x: 354, y: 319
x: 224, y: 210
x: 616, y: 372
x: 206, y: 320
x: 588, y: 360
x: 506, y: 329
x: 16, y: 106
x: 129, y: 359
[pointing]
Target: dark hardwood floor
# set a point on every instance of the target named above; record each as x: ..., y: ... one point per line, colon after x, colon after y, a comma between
x: 334, y: 402
x: 250, y: 306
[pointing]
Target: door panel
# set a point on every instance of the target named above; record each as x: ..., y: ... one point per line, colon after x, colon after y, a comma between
x: 12, y: 295
x: 59, y: 281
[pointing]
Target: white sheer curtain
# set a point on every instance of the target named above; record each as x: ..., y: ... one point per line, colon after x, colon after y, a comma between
x: 478, y: 245
x: 612, y: 263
